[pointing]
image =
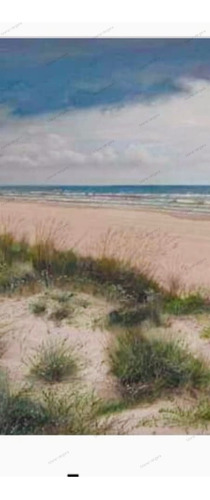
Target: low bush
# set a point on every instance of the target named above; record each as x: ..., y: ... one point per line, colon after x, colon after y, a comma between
x: 19, y: 414
x: 41, y: 255
x: 15, y: 277
x: 75, y: 413
x: 38, y: 307
x: 72, y: 413
x: 112, y: 406
x: 191, y: 304
x: 133, y: 284
x: 11, y: 250
x: 134, y: 316
x: 45, y: 257
x: 146, y: 367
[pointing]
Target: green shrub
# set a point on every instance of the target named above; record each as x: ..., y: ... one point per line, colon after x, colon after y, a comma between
x: 45, y: 257
x: 71, y: 413
x: 11, y: 249
x: 42, y: 254
x: 191, y: 304
x: 38, y: 307
x: 53, y: 362
x: 64, y: 263
x: 75, y: 413
x: 148, y: 366
x: 14, y: 277
x: 134, y: 316
x: 5, y: 275
x: 106, y: 276
x: 112, y: 406
x: 19, y: 414
x: 133, y: 284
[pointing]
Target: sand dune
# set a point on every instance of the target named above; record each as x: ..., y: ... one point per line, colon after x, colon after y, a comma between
x: 171, y: 245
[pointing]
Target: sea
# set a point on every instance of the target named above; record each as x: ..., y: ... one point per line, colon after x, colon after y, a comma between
x: 174, y: 198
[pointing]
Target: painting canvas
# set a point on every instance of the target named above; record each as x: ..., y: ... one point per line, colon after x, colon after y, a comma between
x: 104, y: 236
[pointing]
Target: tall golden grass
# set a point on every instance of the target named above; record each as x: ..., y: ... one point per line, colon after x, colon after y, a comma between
x: 131, y: 248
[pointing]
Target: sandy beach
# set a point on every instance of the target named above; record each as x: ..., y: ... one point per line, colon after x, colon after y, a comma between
x: 171, y: 245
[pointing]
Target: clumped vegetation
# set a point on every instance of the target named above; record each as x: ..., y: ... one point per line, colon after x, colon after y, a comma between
x: 205, y: 334
x: 148, y: 366
x: 72, y: 413
x: 38, y: 307
x: 53, y: 362
x: 130, y: 284
x: 19, y: 414
x: 112, y: 406
x: 191, y: 304
x: 62, y: 297
x: 145, y: 367
x: 129, y: 317
x: 195, y: 415
x: 12, y: 250
x: 49, y: 266
x: 60, y: 312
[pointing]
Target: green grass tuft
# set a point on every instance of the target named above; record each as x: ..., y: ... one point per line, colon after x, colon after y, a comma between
x: 192, y: 304
x: 53, y: 362
x: 38, y: 307
x: 146, y: 367
x: 125, y: 317
x: 112, y: 406
x: 19, y: 414
x: 205, y: 334
x: 72, y: 413
x: 12, y: 250
x: 194, y: 416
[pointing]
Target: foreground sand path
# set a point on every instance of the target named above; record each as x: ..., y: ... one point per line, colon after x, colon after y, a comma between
x: 170, y: 244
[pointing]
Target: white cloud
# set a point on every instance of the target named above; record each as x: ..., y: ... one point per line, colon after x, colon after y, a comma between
x: 126, y: 145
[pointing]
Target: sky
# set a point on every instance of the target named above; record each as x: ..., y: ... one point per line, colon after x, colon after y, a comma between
x: 104, y: 111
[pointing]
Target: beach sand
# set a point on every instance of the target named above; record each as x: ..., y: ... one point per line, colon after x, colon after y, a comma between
x: 171, y: 245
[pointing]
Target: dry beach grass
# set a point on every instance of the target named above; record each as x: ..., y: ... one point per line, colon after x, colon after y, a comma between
x: 133, y: 327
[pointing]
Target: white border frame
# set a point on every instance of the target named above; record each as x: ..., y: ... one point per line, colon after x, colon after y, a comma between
x: 141, y: 456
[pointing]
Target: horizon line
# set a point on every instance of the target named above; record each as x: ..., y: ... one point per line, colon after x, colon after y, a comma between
x: 101, y: 185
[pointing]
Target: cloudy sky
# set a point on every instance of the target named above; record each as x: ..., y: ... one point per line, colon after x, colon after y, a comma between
x: 104, y: 111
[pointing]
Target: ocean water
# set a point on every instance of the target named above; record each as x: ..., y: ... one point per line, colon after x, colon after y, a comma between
x: 176, y: 198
